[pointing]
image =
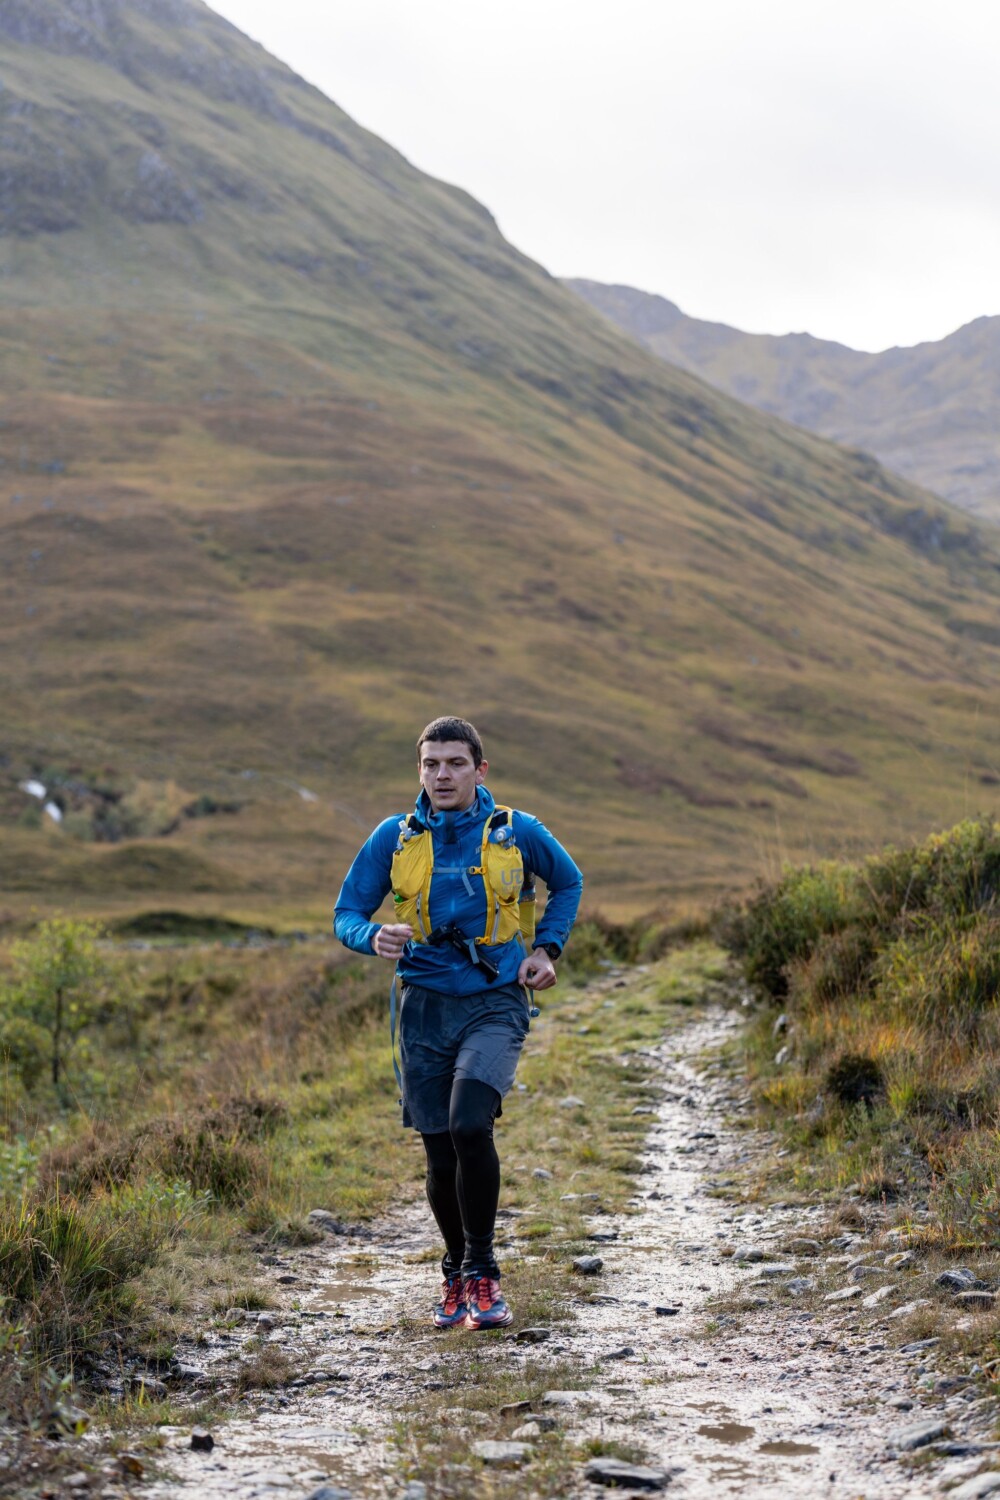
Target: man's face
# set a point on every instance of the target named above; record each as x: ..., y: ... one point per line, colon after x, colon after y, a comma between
x: 449, y: 775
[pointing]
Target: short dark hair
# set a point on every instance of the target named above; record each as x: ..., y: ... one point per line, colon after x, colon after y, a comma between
x: 441, y: 730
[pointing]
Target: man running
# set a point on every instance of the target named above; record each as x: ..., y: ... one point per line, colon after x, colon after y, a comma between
x: 458, y: 868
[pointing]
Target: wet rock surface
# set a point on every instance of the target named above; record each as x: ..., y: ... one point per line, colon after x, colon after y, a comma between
x: 610, y: 1471
x: 729, y: 1383
x: 588, y: 1265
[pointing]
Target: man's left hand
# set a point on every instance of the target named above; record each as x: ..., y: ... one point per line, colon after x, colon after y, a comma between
x: 537, y: 971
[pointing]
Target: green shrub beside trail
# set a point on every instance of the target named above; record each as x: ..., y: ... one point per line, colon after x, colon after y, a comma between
x: 886, y: 1062
x: 60, y: 985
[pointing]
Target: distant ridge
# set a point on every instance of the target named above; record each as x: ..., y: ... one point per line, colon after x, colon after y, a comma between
x: 931, y: 412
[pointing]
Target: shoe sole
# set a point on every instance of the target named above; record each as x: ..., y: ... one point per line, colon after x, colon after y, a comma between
x: 477, y: 1327
x: 456, y: 1322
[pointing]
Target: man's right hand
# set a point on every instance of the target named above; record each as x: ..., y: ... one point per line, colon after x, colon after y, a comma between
x: 390, y: 940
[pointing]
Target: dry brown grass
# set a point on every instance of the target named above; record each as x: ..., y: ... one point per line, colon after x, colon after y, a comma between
x: 266, y: 1370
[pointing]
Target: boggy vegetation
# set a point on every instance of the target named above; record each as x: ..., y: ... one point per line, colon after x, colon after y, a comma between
x: 152, y: 1131
x: 206, y: 1098
x: 880, y: 1051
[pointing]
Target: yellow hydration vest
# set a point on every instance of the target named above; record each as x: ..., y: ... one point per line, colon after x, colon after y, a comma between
x: 510, y: 891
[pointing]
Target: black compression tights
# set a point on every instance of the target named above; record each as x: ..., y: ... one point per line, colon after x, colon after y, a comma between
x: 463, y: 1178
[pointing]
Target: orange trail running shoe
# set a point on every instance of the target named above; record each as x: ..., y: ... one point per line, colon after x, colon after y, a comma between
x: 450, y: 1311
x: 486, y: 1307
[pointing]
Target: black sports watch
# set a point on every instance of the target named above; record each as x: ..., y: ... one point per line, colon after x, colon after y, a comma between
x: 552, y: 949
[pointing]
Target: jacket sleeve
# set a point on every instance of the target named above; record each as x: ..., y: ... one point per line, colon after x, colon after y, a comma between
x: 563, y: 878
x: 366, y: 887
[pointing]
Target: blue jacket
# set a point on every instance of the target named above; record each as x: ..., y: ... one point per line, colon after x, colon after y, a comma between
x: 457, y: 896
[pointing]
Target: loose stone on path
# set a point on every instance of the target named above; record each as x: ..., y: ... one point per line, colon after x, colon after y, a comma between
x: 514, y: 1408
x: 976, y: 1299
x: 907, y: 1439
x: 588, y: 1265
x: 959, y: 1279
x: 611, y: 1471
x: 322, y: 1218
x: 533, y: 1335
x: 502, y: 1454
x: 909, y: 1307
x: 977, y: 1487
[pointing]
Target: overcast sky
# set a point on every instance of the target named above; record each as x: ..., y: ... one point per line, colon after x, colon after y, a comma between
x: 779, y: 165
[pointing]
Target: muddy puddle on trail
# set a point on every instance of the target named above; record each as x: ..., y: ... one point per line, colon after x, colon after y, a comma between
x: 332, y: 1294
x: 782, y: 1403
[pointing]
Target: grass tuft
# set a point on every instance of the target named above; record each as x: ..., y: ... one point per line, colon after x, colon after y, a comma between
x: 267, y: 1370
x: 66, y: 1269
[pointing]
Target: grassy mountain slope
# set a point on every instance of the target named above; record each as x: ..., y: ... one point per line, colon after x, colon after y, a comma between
x: 297, y: 452
x: 927, y: 412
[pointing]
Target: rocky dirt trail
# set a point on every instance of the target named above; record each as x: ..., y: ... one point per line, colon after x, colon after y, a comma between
x: 729, y: 1343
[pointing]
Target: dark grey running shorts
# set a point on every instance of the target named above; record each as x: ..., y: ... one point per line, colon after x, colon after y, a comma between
x: 444, y: 1037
